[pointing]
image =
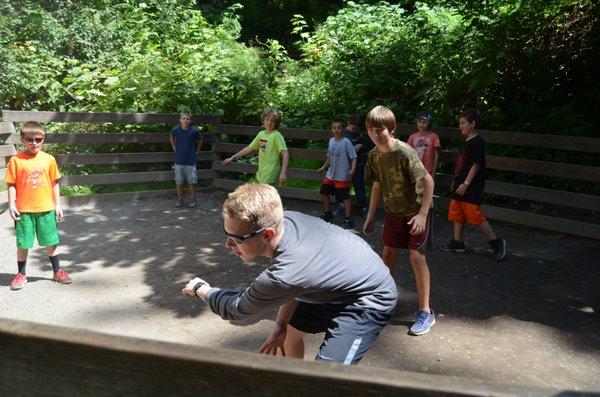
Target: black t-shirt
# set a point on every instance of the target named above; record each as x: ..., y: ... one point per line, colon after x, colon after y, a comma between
x: 359, y: 138
x: 471, y: 152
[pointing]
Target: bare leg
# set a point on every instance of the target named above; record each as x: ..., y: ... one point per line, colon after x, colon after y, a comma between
x: 348, y: 208
x: 422, y: 278
x: 326, y: 202
x: 22, y: 254
x: 51, y: 251
x: 294, y: 343
x: 180, y: 192
x: 458, y: 231
x: 192, y: 191
x: 487, y: 231
x: 389, y: 258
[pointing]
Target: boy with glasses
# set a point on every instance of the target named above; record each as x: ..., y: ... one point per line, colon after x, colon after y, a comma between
x: 323, y: 278
x: 34, y: 202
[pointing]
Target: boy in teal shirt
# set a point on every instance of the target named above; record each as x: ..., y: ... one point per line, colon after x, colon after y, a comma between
x: 270, y: 146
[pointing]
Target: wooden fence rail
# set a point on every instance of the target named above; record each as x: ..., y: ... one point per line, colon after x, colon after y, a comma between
x: 42, y: 360
x: 297, y: 138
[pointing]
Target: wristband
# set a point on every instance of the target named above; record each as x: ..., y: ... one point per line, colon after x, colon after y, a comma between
x: 198, y: 285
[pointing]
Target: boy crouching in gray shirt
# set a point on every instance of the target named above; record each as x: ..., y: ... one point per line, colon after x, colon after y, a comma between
x: 323, y: 278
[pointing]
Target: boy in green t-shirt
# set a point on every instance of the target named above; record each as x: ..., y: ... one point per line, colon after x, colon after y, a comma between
x: 398, y: 175
x: 271, y: 146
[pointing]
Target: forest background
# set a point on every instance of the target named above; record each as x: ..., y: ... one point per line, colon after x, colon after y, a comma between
x: 528, y: 65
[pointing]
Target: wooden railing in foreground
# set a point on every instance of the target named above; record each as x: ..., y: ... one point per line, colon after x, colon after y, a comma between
x: 537, y: 194
x: 42, y: 360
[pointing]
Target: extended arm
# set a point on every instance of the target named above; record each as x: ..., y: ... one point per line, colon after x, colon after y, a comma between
x: 56, y: 195
x: 369, y: 226
x: 12, y: 203
x: 241, y: 153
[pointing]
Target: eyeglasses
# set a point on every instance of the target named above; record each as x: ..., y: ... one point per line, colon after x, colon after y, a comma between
x: 239, y: 239
x: 33, y: 140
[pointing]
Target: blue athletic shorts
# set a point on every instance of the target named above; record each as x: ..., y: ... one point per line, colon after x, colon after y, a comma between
x: 349, y: 331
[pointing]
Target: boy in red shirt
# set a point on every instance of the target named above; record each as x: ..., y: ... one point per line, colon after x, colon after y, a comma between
x: 33, y: 201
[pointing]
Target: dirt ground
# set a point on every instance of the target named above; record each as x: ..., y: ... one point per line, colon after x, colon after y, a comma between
x: 531, y: 320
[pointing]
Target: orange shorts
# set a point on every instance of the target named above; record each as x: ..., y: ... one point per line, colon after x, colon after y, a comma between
x: 461, y: 212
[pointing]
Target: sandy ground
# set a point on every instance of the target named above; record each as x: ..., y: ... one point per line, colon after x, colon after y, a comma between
x: 531, y: 320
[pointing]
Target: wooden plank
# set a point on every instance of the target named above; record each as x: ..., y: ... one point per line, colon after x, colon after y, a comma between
x: 2, y: 174
x: 92, y: 199
x: 252, y: 169
x: 544, y: 222
x: 93, y: 139
x: 543, y: 195
x: 545, y: 141
x: 537, y: 167
x: 288, y: 133
x: 306, y: 154
x: 125, y: 158
x: 101, y: 365
x: 42, y: 117
x: 127, y: 177
x: 7, y: 128
x: 7, y: 150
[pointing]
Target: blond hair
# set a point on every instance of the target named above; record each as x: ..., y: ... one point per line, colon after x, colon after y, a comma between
x: 274, y: 114
x: 31, y: 128
x: 381, y: 116
x: 258, y: 204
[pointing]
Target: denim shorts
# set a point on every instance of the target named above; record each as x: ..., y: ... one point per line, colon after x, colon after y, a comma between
x: 349, y: 331
x: 185, y: 173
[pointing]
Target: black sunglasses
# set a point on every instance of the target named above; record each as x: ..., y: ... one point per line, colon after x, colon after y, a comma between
x: 240, y: 239
x: 33, y: 140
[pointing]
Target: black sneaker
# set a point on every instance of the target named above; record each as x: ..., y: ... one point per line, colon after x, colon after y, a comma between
x: 499, y: 247
x: 327, y: 216
x: 454, y: 246
x: 348, y: 223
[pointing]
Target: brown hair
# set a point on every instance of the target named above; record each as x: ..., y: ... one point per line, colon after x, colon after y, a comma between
x: 381, y: 116
x: 258, y: 204
x: 274, y: 114
x: 31, y: 128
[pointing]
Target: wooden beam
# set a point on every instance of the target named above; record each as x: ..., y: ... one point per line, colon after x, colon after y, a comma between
x: 127, y: 177
x: 133, y: 118
x: 94, y: 139
x: 288, y: 133
x: 125, y: 158
x: 98, y: 364
x: 7, y: 151
x: 540, y: 194
x: 545, y: 141
x: 537, y: 167
x: 252, y: 169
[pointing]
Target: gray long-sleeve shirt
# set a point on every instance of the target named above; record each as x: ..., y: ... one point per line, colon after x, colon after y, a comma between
x: 317, y: 262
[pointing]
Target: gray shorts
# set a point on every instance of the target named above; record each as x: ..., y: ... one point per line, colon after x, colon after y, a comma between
x: 349, y: 331
x: 185, y: 173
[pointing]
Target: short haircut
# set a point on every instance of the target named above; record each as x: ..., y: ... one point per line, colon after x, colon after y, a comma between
x: 274, y: 114
x: 186, y: 113
x: 31, y: 128
x: 381, y: 116
x: 337, y: 120
x: 471, y: 115
x: 258, y: 204
x: 354, y: 120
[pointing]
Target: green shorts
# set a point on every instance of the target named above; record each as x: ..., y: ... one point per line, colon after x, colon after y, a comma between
x: 37, y: 224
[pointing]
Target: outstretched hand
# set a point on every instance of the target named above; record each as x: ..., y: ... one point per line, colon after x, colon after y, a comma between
x: 275, y: 341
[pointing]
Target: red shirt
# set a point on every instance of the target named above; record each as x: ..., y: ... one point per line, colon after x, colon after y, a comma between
x: 425, y: 143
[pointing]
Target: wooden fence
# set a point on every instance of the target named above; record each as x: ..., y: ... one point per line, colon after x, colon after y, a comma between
x: 443, y: 181
x: 299, y: 137
x: 47, y: 360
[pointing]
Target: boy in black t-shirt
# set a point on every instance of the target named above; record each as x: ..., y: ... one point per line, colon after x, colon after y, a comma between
x: 468, y: 184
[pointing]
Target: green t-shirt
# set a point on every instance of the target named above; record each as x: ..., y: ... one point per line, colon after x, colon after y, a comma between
x: 400, y: 172
x: 269, y: 146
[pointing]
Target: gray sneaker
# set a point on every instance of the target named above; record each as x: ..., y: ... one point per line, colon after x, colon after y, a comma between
x: 454, y: 246
x: 339, y: 211
x: 423, y: 323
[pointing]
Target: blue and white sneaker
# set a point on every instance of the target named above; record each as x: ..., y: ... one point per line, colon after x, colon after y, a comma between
x: 424, y: 323
x: 339, y: 211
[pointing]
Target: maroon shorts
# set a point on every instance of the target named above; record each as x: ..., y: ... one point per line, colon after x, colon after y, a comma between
x: 396, y: 233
